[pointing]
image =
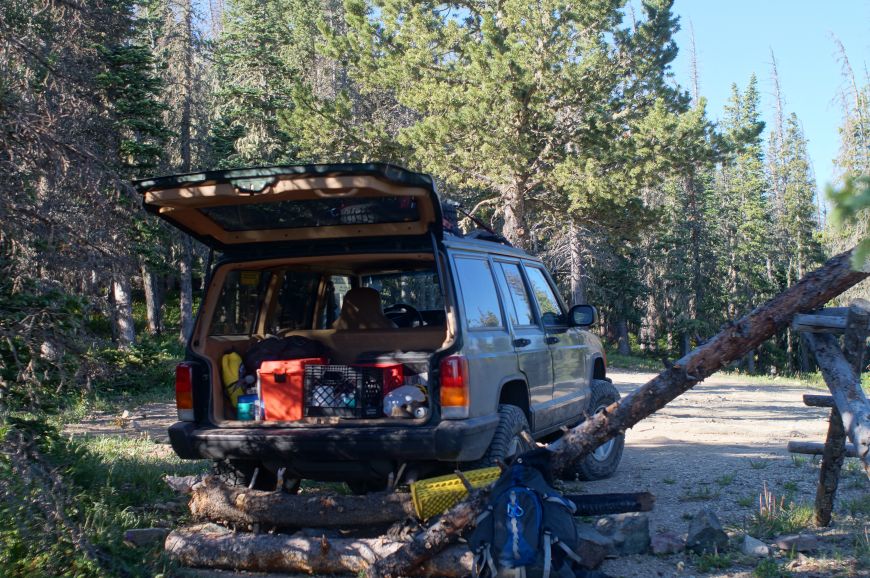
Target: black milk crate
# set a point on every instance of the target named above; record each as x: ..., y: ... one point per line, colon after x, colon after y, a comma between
x: 343, y: 391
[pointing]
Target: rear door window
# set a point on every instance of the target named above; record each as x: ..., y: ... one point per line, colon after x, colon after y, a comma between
x: 479, y: 295
x: 239, y: 302
x: 295, y: 302
x: 548, y: 302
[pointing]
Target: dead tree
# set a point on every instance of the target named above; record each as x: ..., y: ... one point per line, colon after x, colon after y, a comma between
x: 811, y: 292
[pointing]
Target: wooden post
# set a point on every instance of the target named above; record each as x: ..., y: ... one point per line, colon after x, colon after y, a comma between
x: 829, y: 474
x: 811, y: 292
x: 844, y: 381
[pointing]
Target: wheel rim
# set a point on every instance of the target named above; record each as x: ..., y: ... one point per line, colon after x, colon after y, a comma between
x: 602, y: 452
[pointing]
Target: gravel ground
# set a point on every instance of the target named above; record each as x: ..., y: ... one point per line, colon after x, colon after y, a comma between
x: 718, y: 446
x: 715, y: 447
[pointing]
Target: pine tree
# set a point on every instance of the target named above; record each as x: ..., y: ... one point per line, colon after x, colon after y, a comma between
x: 744, y: 221
x: 264, y: 49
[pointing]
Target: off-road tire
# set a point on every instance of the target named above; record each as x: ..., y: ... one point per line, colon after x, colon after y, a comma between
x: 507, y: 443
x: 238, y: 473
x: 598, y: 466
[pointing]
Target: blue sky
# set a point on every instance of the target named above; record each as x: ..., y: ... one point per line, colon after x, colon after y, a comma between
x: 733, y: 39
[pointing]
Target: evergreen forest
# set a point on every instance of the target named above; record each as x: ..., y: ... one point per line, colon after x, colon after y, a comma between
x: 559, y: 124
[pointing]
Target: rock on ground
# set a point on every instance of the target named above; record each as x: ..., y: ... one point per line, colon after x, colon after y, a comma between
x: 797, y: 543
x: 754, y: 547
x: 629, y: 532
x: 706, y: 533
x: 667, y: 543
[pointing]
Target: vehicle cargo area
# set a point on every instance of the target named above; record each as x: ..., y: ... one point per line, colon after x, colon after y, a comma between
x: 322, y: 341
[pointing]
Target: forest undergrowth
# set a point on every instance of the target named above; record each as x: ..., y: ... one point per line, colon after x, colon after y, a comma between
x: 66, y: 502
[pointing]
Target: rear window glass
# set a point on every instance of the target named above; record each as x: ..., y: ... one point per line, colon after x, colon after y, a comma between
x: 482, y: 308
x: 419, y: 289
x: 239, y: 302
x: 295, y: 302
x: 314, y: 213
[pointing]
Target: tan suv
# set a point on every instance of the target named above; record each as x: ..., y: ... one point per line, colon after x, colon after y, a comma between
x: 375, y: 340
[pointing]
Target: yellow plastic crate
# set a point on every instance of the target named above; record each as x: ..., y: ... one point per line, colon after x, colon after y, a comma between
x: 436, y: 495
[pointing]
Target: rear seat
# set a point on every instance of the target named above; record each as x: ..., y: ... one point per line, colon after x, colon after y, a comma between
x: 346, y: 346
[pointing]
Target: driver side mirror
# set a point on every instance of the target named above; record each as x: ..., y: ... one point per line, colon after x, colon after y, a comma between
x: 583, y: 315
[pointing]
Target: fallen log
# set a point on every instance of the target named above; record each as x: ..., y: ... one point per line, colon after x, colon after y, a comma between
x: 214, y: 501
x: 817, y: 449
x: 213, y: 546
x: 818, y: 400
x: 811, y: 292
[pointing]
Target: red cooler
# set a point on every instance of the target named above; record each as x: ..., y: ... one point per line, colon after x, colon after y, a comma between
x: 281, y: 387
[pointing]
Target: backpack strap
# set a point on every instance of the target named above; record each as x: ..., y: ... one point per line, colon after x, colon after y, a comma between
x: 483, y: 561
x: 548, y: 554
x: 568, y: 551
x: 564, y: 502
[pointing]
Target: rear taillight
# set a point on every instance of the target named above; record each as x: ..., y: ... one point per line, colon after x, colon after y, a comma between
x: 184, y: 390
x: 454, y: 387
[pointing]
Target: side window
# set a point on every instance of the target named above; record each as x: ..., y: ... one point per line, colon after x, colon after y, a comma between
x: 511, y: 281
x: 337, y: 287
x: 296, y: 299
x: 238, y: 303
x: 481, y: 305
x: 548, y: 303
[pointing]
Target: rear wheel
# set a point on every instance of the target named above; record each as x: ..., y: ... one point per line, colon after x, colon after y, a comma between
x: 604, y: 460
x: 241, y: 472
x: 507, y: 442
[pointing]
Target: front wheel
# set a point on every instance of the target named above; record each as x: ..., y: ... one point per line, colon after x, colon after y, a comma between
x: 604, y: 460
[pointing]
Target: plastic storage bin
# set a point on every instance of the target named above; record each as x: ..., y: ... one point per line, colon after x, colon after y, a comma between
x: 343, y: 391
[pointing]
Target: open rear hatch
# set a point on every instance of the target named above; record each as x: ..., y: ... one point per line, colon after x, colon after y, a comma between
x: 241, y: 208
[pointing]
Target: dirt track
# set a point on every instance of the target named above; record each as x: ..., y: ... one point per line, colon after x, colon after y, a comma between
x: 717, y: 446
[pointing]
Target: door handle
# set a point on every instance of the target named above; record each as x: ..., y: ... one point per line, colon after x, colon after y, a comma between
x: 552, y: 340
x: 521, y: 342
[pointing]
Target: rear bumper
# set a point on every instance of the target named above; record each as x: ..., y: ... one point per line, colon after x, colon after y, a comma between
x: 460, y: 440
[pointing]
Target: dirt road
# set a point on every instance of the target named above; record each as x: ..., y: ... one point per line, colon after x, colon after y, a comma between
x: 718, y: 446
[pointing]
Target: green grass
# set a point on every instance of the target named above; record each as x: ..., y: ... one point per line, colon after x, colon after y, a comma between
x: 725, y: 480
x: 699, y: 494
x: 777, y: 515
x: 858, y: 506
x: 716, y: 561
x: 758, y: 464
x: 746, y: 501
x: 110, y: 484
x: 812, y: 380
x: 768, y: 568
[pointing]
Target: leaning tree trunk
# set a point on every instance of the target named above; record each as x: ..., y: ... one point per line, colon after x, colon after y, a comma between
x: 734, y: 341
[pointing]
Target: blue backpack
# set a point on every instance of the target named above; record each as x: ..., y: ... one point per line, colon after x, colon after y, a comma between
x: 527, y: 526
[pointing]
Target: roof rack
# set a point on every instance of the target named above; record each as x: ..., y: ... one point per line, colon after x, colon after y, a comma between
x: 451, y: 210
